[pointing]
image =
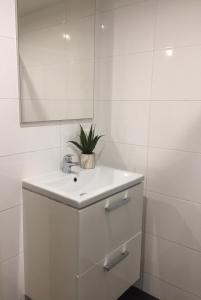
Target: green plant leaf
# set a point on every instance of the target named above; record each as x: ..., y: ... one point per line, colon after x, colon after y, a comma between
x: 83, y: 137
x: 88, y: 141
x: 77, y: 145
x: 91, y: 134
x: 94, y: 143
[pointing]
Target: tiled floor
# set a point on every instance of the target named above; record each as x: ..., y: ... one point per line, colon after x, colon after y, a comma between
x: 135, y: 294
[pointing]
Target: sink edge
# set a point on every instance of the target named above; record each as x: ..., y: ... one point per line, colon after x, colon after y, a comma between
x: 73, y: 202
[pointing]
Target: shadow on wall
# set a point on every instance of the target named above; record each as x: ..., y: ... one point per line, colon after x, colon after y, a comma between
x: 173, y: 173
x: 12, y: 264
x: 27, y: 87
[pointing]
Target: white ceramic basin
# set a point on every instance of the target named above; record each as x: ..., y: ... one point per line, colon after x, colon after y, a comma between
x: 84, y: 187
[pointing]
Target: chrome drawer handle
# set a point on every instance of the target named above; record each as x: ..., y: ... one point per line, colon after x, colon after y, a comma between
x: 116, y: 204
x: 110, y: 265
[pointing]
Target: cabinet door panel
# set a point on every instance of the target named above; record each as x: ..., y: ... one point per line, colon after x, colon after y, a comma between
x: 103, y: 284
x: 107, y: 224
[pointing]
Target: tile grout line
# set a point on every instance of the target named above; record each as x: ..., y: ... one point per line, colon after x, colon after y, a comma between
x: 173, y: 197
x: 155, y: 50
x: 12, y: 38
x: 172, y: 285
x: 173, y: 242
x: 144, y: 100
x: 154, y: 147
x: 61, y: 144
x: 147, y: 152
x: 119, y: 7
x: 28, y: 152
x: 20, y: 253
x: 10, y: 208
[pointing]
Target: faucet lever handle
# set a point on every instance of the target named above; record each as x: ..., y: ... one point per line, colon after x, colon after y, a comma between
x: 68, y: 158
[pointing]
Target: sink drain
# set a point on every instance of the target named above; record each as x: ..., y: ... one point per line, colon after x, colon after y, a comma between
x: 83, y: 194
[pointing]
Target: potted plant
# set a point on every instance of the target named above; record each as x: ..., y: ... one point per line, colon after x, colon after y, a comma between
x: 86, y: 145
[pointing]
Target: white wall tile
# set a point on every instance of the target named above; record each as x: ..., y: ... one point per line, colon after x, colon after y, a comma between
x: 8, y: 63
x: 185, y: 216
x: 178, y: 23
x: 164, y: 291
x: 80, y: 8
x: 129, y: 122
x: 177, y: 265
x: 123, y: 121
x: 104, y: 5
x: 10, y: 233
x: 123, y: 156
x: 11, y: 279
x: 177, y: 77
x: 102, y: 113
x: 71, y: 130
x: 7, y: 20
x: 124, y: 77
x: 126, y: 30
x: 16, y: 138
x: 176, y: 124
x: 175, y: 173
x: 16, y: 167
x: 49, y: 16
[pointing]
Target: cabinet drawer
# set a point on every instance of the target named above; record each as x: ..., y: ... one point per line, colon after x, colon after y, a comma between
x: 108, y: 224
x: 110, y: 278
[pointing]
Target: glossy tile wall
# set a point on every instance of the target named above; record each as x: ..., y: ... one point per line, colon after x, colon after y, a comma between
x: 148, y: 104
x: 24, y: 151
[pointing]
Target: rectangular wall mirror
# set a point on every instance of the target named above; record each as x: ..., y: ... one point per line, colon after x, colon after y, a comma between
x: 56, y: 59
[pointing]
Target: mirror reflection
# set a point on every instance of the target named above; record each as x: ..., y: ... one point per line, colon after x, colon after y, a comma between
x: 56, y: 59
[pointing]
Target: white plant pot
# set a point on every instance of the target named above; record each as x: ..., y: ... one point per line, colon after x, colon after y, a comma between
x: 87, y: 161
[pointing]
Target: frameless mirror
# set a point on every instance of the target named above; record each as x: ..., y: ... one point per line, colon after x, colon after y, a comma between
x: 56, y: 59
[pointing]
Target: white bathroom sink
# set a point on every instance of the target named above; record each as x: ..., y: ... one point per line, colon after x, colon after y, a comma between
x: 83, y: 187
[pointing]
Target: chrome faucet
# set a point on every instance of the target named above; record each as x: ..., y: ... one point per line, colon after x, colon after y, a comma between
x: 68, y: 163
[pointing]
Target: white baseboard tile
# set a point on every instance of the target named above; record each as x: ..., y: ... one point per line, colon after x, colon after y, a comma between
x: 164, y: 291
x: 12, y: 279
x: 173, y: 263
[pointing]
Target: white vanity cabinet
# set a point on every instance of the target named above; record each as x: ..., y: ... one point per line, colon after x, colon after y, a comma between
x: 82, y: 254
